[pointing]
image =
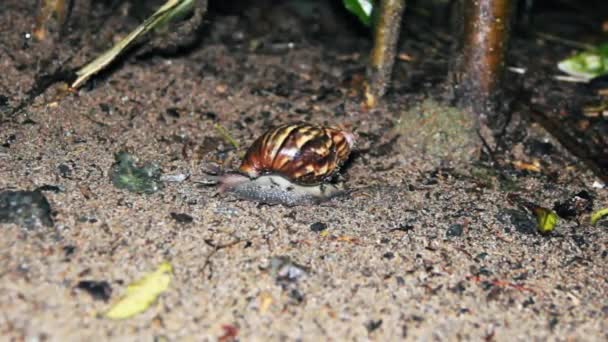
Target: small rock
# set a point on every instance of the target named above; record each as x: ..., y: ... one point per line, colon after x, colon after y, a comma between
x: 49, y: 187
x: 64, y: 170
x: 287, y: 271
x: 69, y: 250
x: 318, y: 227
x: 388, y: 255
x: 99, y: 290
x: 454, y: 230
x: 296, y: 296
x: 373, y: 325
x: 574, y: 206
x: 28, y: 209
x: 177, y: 178
x: 227, y: 211
x: 126, y: 175
x: 182, y: 218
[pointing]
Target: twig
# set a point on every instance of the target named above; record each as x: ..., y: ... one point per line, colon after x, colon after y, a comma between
x: 226, y: 135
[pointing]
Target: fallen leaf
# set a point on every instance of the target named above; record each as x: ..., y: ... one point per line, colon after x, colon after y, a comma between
x: 534, y: 166
x: 142, y: 293
x: 266, y: 300
x: 546, y: 219
x: 596, y: 216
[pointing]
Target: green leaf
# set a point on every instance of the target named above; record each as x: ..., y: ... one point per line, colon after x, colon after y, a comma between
x: 361, y: 8
x: 125, y: 174
x: 587, y: 64
x: 142, y: 293
x: 546, y: 219
x: 596, y: 216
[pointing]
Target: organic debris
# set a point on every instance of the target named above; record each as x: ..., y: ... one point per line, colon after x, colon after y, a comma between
x: 169, y: 11
x: 546, y: 219
x: 126, y: 175
x: 29, y: 209
x: 587, y: 64
x: 142, y: 293
x: 598, y: 215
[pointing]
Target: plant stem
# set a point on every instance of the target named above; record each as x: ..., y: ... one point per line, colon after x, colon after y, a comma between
x: 481, y: 63
x: 386, y: 34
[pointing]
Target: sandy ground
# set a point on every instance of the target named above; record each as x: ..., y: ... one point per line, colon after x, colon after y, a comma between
x: 415, y: 252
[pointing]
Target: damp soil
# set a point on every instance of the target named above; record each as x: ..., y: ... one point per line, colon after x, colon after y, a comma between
x: 419, y: 249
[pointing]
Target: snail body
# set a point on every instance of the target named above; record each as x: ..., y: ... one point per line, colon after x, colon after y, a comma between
x: 291, y: 164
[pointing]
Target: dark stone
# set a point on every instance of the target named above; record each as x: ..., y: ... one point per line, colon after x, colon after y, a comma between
x: 553, y: 323
x: 388, y: 255
x: 69, y: 250
x: 105, y: 107
x: 454, y: 230
x: 182, y: 218
x: 64, y: 170
x: 209, y: 115
x: 9, y: 141
x: 404, y: 227
x: 481, y: 256
x: 28, y: 209
x: 99, y: 290
x: 172, y: 112
x: 318, y: 227
x: 458, y: 288
x: 528, y: 302
x: 296, y: 296
x: 373, y: 325
x: 48, y: 187
x: 484, y: 272
x: 579, y: 240
x: 3, y: 100
x: 519, y: 219
x: 574, y: 206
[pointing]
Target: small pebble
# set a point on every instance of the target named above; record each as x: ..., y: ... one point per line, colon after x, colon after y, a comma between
x: 455, y: 230
x: 373, y: 325
x: 388, y: 255
x: 318, y: 227
x: 182, y: 218
x: 99, y: 290
x: 177, y: 178
x: 29, y: 209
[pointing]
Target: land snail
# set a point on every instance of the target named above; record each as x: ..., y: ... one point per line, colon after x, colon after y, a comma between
x: 292, y: 164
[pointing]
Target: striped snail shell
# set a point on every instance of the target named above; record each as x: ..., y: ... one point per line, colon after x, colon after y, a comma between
x: 292, y: 164
x: 304, y: 153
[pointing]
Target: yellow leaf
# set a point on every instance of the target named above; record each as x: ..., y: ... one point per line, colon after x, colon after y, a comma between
x: 534, y: 166
x: 596, y: 216
x: 546, y: 219
x: 142, y: 293
x: 265, y: 301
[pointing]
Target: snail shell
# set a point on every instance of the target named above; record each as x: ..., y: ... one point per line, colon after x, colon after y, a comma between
x: 292, y: 164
